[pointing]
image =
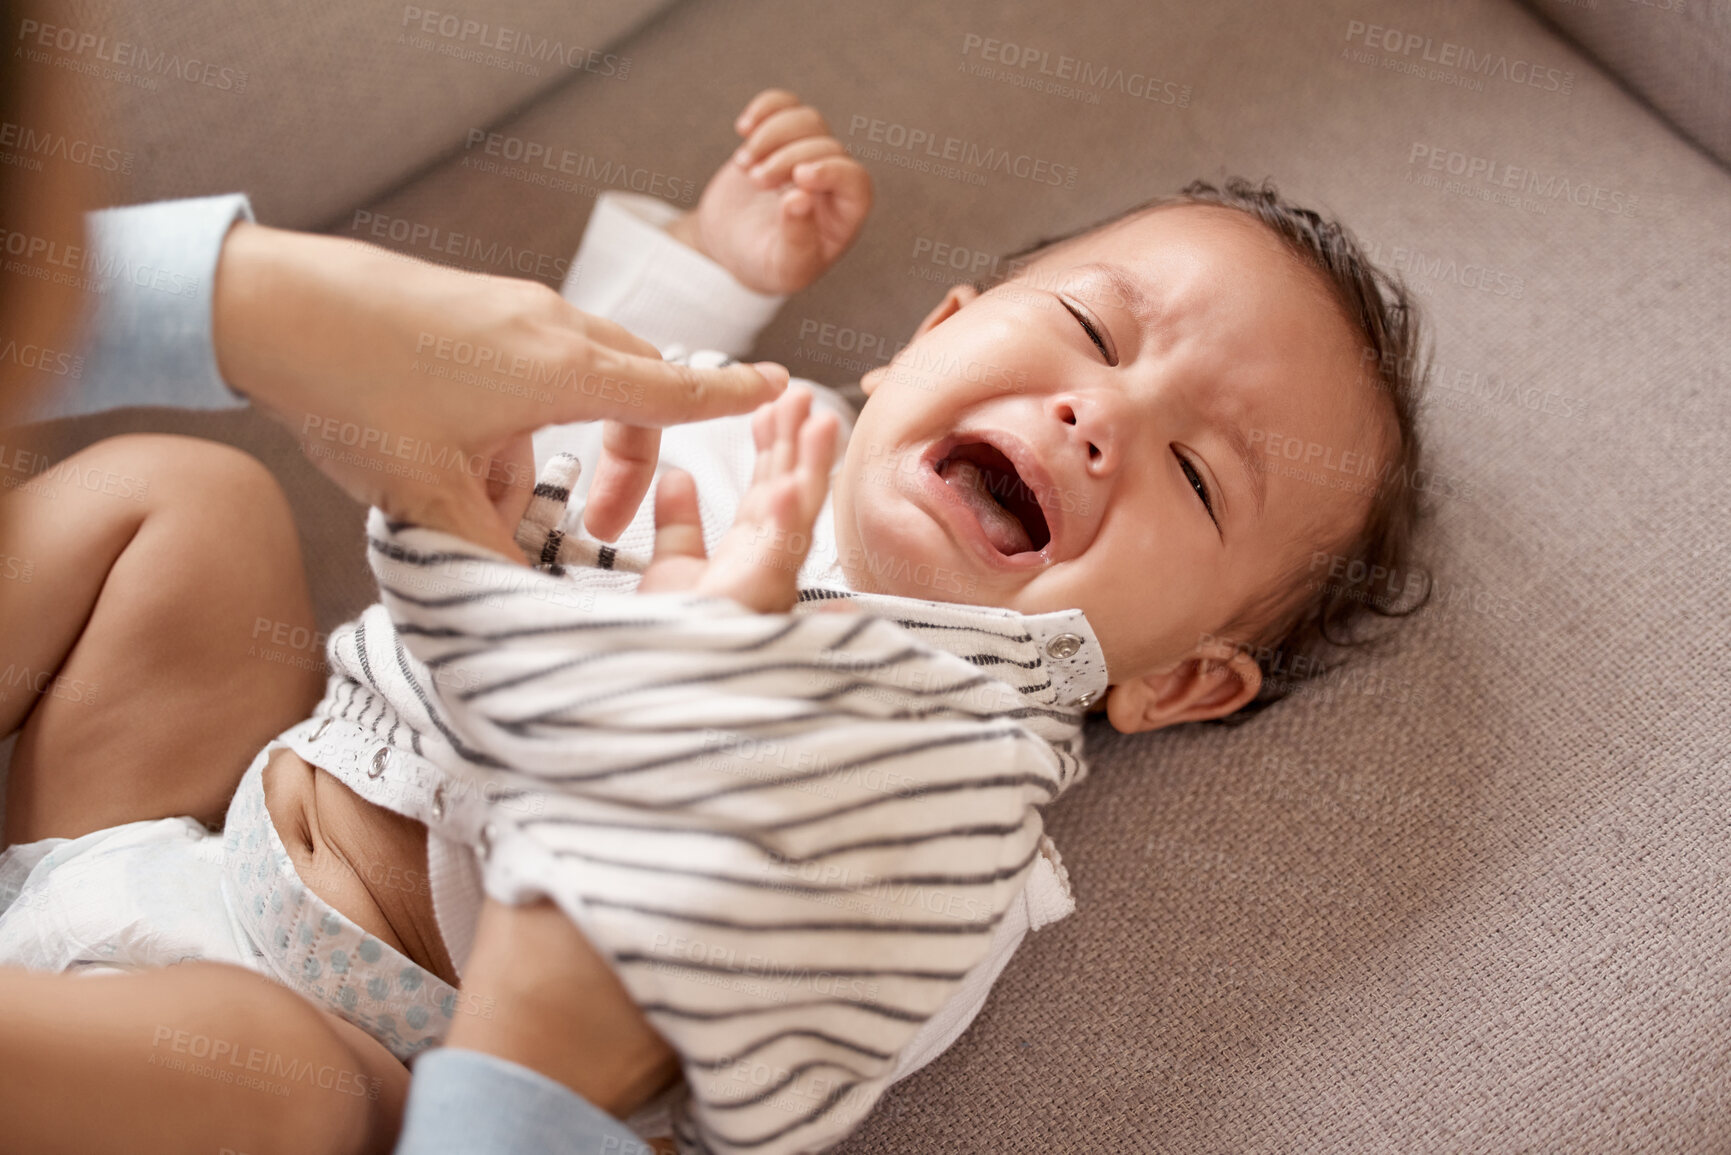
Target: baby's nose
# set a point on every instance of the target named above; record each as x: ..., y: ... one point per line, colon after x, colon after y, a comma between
x: 1089, y: 428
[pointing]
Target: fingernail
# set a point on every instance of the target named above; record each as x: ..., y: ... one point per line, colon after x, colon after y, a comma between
x: 742, y: 155
x: 774, y: 372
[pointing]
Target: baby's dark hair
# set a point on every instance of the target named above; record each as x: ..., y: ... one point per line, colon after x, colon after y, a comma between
x: 1302, y: 620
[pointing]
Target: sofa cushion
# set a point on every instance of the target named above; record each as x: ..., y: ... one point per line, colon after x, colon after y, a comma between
x: 1676, y: 54
x: 314, y: 107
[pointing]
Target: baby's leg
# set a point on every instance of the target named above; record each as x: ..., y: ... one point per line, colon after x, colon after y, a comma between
x: 196, y: 1057
x: 133, y: 658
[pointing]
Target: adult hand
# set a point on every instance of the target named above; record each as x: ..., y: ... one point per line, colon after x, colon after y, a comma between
x: 416, y: 387
x: 551, y: 1003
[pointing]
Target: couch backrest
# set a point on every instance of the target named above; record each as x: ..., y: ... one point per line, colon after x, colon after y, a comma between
x: 315, y: 107
x: 1675, y: 54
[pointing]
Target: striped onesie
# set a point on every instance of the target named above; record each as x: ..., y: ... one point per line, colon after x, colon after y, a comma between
x: 799, y: 838
x: 793, y: 835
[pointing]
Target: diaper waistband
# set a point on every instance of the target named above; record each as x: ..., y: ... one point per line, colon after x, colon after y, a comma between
x: 311, y: 947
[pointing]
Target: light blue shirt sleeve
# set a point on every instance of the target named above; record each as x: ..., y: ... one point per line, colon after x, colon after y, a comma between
x: 470, y: 1103
x: 148, y: 332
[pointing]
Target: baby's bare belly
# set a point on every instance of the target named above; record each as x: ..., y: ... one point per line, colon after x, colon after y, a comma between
x: 369, y: 863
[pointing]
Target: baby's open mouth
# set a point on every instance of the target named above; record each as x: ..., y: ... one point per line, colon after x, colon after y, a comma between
x: 1007, y: 509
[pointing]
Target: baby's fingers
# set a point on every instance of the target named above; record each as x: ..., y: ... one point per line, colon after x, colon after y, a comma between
x: 777, y: 169
x: 779, y: 130
x: 795, y: 452
x: 762, y: 440
x: 839, y: 175
x: 678, y: 526
x: 768, y: 101
x: 679, y: 559
x: 785, y: 507
x: 791, y: 411
x: 817, y: 449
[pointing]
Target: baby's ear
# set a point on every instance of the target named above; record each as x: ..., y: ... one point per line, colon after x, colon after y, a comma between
x: 954, y: 299
x: 1196, y: 689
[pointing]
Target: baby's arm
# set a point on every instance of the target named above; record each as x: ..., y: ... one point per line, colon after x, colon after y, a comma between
x: 774, y: 218
x: 786, y: 205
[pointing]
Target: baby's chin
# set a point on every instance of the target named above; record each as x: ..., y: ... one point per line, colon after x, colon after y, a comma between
x: 913, y: 577
x: 906, y: 566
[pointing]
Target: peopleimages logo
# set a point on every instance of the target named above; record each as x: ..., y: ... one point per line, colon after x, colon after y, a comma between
x: 42, y: 359
x: 1448, y: 54
x: 1065, y: 71
x: 85, y: 267
x: 548, y: 164
x: 458, y: 32
x: 1417, y: 263
x: 121, y: 54
x: 1488, y: 178
x: 58, y: 146
x: 466, y: 246
x: 929, y: 146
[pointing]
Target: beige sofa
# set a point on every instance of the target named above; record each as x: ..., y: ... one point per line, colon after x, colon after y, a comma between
x: 1472, y: 896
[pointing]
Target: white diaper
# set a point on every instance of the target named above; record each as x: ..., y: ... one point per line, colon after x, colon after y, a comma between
x: 157, y: 893
x: 146, y: 894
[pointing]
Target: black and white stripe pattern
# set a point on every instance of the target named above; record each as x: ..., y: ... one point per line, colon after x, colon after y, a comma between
x: 792, y: 834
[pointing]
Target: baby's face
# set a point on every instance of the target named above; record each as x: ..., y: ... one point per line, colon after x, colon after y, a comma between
x: 1099, y: 452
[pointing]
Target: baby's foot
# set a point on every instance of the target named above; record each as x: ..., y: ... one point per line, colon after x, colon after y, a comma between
x: 757, y: 562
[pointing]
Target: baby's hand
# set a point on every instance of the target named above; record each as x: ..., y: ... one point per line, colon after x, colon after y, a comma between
x: 757, y: 562
x: 786, y: 206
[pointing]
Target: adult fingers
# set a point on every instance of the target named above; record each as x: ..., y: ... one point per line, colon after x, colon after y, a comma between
x: 613, y: 335
x: 480, y: 497
x: 647, y: 391
x: 622, y: 477
x: 466, y: 512
x: 510, y: 484
x: 485, y: 507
